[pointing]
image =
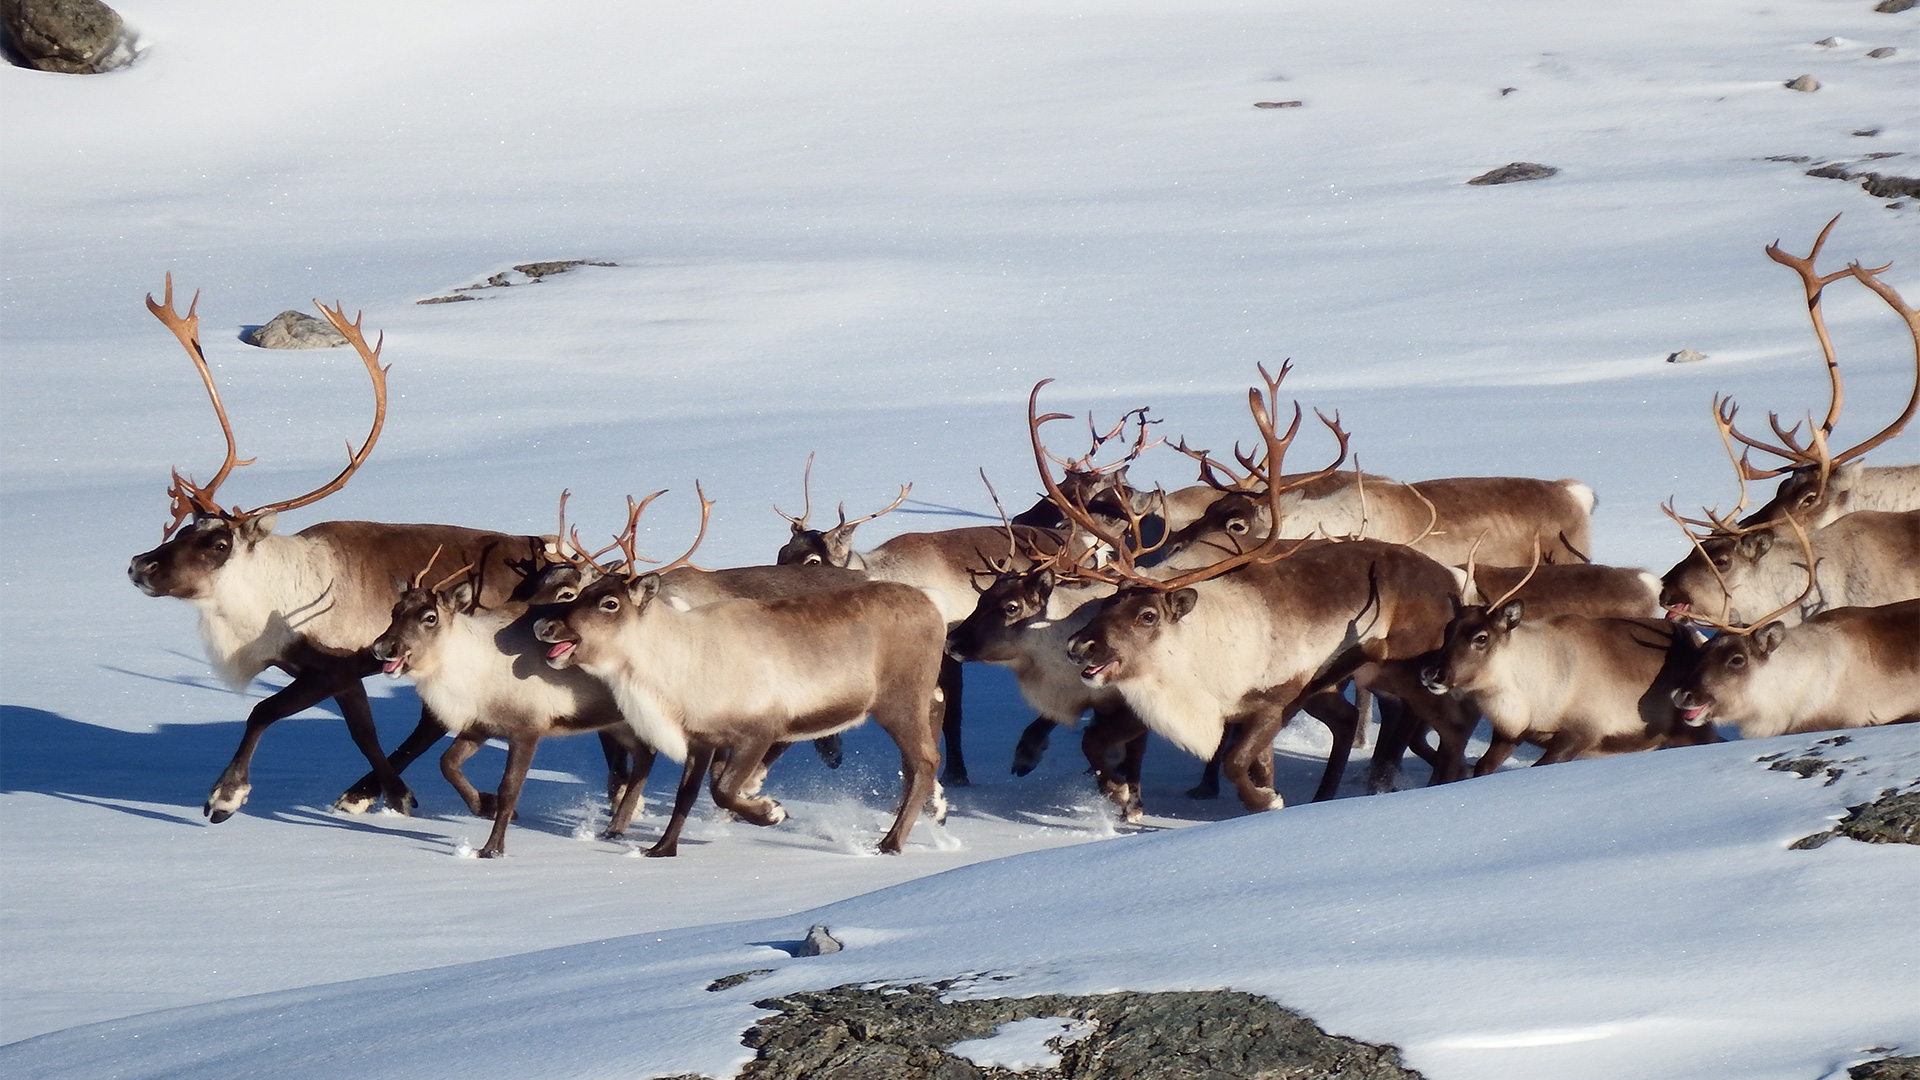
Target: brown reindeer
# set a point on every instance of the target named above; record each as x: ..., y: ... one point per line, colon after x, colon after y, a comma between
x: 485, y: 676
x: 943, y: 564
x: 737, y: 677
x: 309, y: 604
x: 1843, y: 668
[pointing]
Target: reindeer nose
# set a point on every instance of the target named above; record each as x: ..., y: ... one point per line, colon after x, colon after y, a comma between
x: 1078, y: 647
x: 1430, y: 678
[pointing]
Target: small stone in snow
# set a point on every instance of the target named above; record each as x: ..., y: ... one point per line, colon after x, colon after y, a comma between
x: 1881, y: 53
x: 1505, y: 90
x: 1827, y: 42
x: 1278, y: 104
x: 1514, y: 173
x: 819, y: 943
x: 1806, y: 84
x: 296, y: 330
x: 1867, y: 133
x: 1685, y: 356
x: 1894, y: 7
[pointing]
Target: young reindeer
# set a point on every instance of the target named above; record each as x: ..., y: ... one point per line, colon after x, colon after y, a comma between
x: 738, y: 677
x: 943, y: 564
x: 1574, y: 684
x: 1844, y: 668
x: 309, y: 604
x: 485, y: 676
x: 1247, y: 638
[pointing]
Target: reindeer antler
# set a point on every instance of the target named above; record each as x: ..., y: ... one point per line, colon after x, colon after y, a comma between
x: 806, y: 488
x: 187, y: 497
x: 371, y: 358
x: 1806, y: 546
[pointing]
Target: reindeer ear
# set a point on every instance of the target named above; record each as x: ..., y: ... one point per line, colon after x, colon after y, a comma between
x: 1510, y: 614
x: 255, y: 529
x: 797, y: 528
x: 461, y: 596
x: 401, y: 583
x: 1754, y: 545
x: 1182, y: 602
x: 1043, y: 583
x: 1769, y: 637
x: 641, y: 592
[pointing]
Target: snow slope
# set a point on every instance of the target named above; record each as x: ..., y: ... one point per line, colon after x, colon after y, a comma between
x: 866, y: 231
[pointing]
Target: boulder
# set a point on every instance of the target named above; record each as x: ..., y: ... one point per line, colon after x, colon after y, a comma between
x: 1514, y: 173
x: 74, y: 37
x: 296, y: 330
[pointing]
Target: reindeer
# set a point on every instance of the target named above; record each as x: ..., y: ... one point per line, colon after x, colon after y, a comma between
x: 1547, y: 590
x: 1822, y: 484
x: 484, y: 676
x: 1574, y: 684
x: 738, y: 677
x: 309, y: 604
x: 943, y: 564
x: 1248, y: 637
x: 1843, y: 668
x: 1862, y: 520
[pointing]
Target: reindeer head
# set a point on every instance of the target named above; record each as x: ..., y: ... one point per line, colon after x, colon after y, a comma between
x: 1723, y: 672
x: 1013, y: 600
x: 832, y: 547
x: 1121, y: 639
x: 1474, y: 639
x: 582, y: 630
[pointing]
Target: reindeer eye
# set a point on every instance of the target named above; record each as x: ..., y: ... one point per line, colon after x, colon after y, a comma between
x: 1013, y: 608
x: 221, y: 545
x: 1807, y: 499
x: 811, y: 560
x: 1480, y: 640
x: 1722, y: 562
x: 1236, y: 526
x: 1148, y: 617
x: 430, y: 618
x: 609, y: 603
x: 564, y: 595
x: 1736, y: 661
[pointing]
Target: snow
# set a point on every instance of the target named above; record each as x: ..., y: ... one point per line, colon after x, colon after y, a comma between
x: 867, y: 231
x: 1020, y: 1045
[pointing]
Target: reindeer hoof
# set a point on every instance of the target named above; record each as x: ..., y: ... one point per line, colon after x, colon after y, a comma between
x: 1133, y: 815
x: 663, y: 851
x: 612, y: 835
x: 776, y: 814
x: 353, y: 801
x: 215, y: 816
x: 404, y: 805
x: 955, y: 778
x: 225, y: 802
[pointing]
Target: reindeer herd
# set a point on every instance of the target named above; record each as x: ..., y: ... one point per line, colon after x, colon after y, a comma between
x: 1212, y: 614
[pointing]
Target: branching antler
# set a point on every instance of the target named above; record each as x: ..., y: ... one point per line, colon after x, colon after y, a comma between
x: 1806, y: 547
x: 806, y: 488
x: 355, y: 458
x: 187, y: 497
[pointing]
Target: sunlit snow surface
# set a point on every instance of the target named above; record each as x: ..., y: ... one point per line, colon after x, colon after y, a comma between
x: 867, y: 231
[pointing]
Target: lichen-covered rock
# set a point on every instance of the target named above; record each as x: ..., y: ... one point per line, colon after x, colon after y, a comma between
x: 296, y: 330
x: 1514, y: 173
x: 72, y: 37
x: 1893, y: 1068
x: 904, y: 1032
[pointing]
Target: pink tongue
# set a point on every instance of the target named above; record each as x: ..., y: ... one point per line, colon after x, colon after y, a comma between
x: 1090, y: 672
x: 560, y: 648
x: 391, y: 666
x: 1693, y: 713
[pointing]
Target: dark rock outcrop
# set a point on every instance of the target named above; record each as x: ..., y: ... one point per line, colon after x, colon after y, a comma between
x: 72, y: 37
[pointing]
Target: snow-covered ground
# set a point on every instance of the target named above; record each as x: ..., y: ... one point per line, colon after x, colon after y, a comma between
x: 867, y: 231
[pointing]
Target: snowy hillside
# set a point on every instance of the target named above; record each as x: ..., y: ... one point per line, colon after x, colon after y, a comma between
x: 867, y: 231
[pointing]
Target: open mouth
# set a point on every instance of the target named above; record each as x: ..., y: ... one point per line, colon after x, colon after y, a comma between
x: 395, y: 667
x: 1678, y: 612
x: 1693, y: 715
x: 561, y: 653
x: 1095, y: 673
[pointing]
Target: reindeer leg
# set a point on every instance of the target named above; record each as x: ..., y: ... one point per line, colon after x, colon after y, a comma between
x: 1255, y: 747
x: 1130, y: 766
x: 519, y: 759
x: 743, y: 773
x: 913, y: 727
x: 1497, y: 752
x: 1567, y: 743
x: 229, y: 793
x: 352, y: 699
x: 464, y: 745
x: 360, y: 798
x: 1396, y: 733
x: 692, y: 773
x: 619, y: 767
x: 629, y: 804
x: 1341, y: 719
x: 956, y: 770
x: 1110, y: 729
x: 1362, y: 704
x: 1032, y: 745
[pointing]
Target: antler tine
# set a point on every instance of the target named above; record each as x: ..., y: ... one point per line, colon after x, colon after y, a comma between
x: 889, y: 508
x: 1667, y: 509
x: 706, y: 515
x: 806, y: 487
x: 1724, y: 410
x: 1531, y: 570
x: 1207, y: 467
x: 1871, y: 279
x: 1472, y: 587
x: 1076, y: 514
x: 371, y: 358
x: 187, y: 497
x: 628, y: 540
x: 1806, y: 546
x: 422, y: 575
x: 445, y: 581
x: 1013, y: 541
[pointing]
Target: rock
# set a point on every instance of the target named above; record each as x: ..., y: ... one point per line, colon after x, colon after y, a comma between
x: 903, y: 1033
x: 1806, y: 84
x: 446, y: 299
x: 728, y: 982
x: 538, y: 270
x: 1278, y: 104
x: 1514, y: 173
x: 1891, y: 1068
x: 1867, y: 133
x: 819, y: 943
x: 73, y: 37
x: 1505, y: 90
x: 1894, y: 7
x: 1882, y: 186
x: 296, y: 330
x: 1685, y: 356
x: 1891, y: 819
x: 1827, y: 42
x: 1797, y: 159
x: 1881, y: 53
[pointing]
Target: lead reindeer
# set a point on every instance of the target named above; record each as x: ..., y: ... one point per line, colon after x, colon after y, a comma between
x: 943, y: 564
x: 1247, y: 638
x: 485, y: 677
x: 735, y: 678
x: 309, y: 604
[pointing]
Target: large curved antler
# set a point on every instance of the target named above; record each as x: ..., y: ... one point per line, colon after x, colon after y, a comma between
x: 371, y: 358
x: 806, y: 488
x: 187, y: 497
